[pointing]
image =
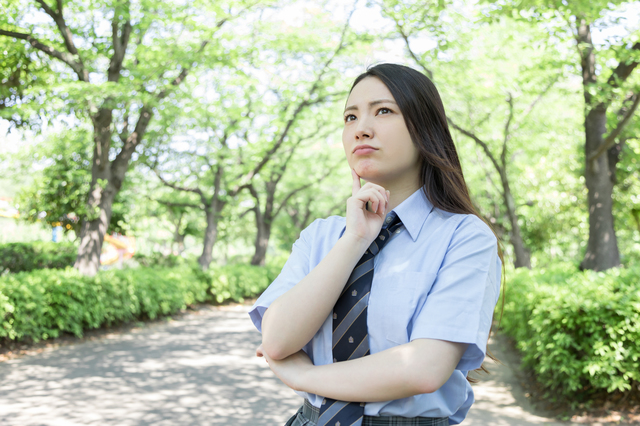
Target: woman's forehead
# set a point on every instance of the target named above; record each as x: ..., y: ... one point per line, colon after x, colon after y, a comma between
x: 368, y: 90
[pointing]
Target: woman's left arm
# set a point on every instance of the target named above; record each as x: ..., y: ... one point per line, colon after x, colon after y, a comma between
x: 417, y: 367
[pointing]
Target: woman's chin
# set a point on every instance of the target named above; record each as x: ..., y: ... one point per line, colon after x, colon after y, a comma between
x: 368, y: 173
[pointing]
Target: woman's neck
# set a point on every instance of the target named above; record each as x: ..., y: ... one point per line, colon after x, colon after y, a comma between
x: 400, y: 191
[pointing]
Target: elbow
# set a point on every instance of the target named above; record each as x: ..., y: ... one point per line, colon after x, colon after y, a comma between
x: 427, y: 385
x: 274, y: 350
x: 431, y: 380
x: 273, y: 345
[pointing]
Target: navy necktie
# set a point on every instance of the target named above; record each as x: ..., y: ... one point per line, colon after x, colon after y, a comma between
x: 350, y: 336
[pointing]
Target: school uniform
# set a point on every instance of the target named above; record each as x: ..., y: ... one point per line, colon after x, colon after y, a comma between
x: 438, y: 277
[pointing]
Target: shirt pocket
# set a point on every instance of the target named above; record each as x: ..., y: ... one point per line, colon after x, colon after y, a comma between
x: 391, y: 306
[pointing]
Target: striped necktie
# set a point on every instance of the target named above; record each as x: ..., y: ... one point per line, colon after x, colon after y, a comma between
x: 350, y: 336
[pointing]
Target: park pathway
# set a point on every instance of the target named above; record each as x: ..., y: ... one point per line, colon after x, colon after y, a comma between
x: 197, y: 370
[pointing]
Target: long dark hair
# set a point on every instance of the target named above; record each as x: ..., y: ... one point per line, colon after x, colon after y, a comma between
x: 441, y: 174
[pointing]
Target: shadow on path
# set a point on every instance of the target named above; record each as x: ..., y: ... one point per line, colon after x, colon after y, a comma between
x: 198, y: 370
x: 500, y: 399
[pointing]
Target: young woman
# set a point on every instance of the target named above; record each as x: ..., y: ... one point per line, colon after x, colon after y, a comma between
x: 377, y: 317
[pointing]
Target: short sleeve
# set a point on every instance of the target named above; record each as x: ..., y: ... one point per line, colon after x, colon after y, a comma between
x: 459, y: 307
x: 295, y: 269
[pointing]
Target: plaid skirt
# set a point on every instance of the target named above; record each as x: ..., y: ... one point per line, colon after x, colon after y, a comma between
x: 308, y: 415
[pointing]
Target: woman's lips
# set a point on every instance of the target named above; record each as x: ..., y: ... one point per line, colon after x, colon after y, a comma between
x: 364, y: 151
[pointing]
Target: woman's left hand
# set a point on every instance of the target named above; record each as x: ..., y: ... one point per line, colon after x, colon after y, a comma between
x: 290, y: 370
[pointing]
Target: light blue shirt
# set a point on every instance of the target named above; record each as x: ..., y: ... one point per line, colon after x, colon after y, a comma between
x: 438, y: 278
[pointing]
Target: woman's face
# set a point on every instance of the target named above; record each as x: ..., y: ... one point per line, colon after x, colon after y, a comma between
x: 376, y: 139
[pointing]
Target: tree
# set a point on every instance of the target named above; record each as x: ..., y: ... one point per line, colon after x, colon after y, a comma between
x: 491, y: 123
x: 120, y: 79
x: 61, y: 178
x: 268, y: 206
x: 260, y: 109
x: 20, y: 73
x: 607, y: 86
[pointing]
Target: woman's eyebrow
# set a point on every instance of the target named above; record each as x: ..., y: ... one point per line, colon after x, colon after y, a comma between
x: 372, y: 103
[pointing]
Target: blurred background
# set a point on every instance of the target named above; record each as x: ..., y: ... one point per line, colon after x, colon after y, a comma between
x: 187, y: 144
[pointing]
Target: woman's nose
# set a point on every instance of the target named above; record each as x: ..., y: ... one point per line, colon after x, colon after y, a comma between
x: 364, y: 130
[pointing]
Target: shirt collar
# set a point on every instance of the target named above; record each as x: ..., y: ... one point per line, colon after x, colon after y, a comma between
x: 413, y: 212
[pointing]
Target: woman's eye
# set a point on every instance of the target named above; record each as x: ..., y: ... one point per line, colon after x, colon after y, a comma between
x: 349, y: 117
x: 384, y: 111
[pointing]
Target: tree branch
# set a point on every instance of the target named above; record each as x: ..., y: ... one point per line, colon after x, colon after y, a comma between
x: 286, y: 199
x: 610, y: 139
x: 62, y: 56
x: 405, y: 37
x: 507, y: 134
x: 304, y: 103
x: 182, y: 188
x: 479, y: 141
x: 533, y: 104
x: 120, y: 42
x: 66, y: 34
x: 172, y: 204
x: 623, y: 70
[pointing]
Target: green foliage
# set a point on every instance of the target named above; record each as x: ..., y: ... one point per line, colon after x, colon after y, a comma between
x: 44, y: 303
x: 41, y: 304
x: 237, y: 281
x: 59, y: 192
x: 19, y: 72
x: 24, y: 257
x: 579, y: 331
x: 158, y: 259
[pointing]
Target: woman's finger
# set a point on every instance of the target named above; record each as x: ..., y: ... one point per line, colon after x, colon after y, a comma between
x: 356, y: 182
x: 380, y: 189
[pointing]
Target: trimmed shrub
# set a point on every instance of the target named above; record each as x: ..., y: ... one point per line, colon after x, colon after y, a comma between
x: 579, y: 331
x: 24, y: 257
x: 43, y: 303
x: 158, y: 259
x: 237, y: 281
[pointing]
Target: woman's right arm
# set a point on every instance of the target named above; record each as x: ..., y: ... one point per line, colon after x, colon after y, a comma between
x: 294, y: 318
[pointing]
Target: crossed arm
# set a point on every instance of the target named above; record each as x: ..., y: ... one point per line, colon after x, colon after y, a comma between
x: 420, y: 366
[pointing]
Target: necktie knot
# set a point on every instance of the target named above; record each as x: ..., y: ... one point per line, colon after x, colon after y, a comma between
x: 391, y: 224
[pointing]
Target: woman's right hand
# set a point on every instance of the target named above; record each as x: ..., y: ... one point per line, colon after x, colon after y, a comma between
x: 362, y: 223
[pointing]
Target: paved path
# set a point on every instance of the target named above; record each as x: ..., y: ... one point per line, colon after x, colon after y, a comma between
x: 198, y: 370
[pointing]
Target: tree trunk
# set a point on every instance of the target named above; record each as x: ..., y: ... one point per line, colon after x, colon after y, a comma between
x: 100, y: 199
x: 178, y: 238
x: 92, y: 234
x: 262, y: 241
x: 106, y: 180
x: 522, y: 256
x: 212, y: 210
x: 210, y: 237
x: 602, y: 248
x: 263, y: 221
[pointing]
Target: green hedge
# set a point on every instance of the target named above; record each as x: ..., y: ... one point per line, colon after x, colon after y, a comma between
x: 42, y: 304
x: 159, y: 259
x: 579, y: 331
x: 23, y: 257
x: 235, y: 282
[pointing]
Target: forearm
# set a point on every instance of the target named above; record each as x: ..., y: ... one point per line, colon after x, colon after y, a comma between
x: 294, y: 318
x: 421, y: 366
